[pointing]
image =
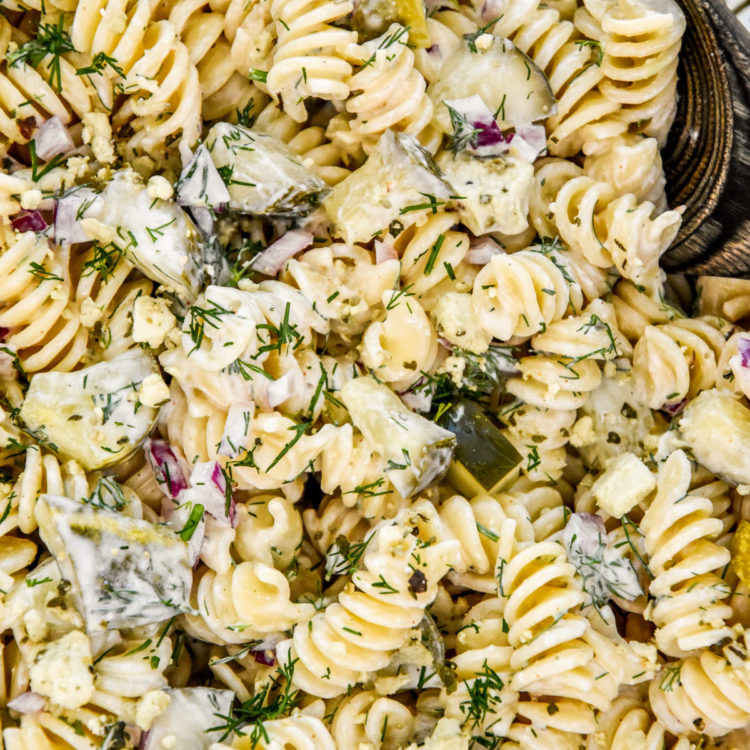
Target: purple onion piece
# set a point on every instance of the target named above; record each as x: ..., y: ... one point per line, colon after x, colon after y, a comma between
x: 743, y: 347
x: 52, y: 138
x: 4, y: 334
x: 166, y: 465
x: 28, y: 221
x: 265, y: 656
x: 27, y: 703
x: 489, y: 133
x: 674, y: 409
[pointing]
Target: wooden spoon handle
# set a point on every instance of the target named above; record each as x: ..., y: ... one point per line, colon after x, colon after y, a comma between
x: 707, y: 155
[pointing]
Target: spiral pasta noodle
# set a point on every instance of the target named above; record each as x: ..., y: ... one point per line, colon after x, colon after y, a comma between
x: 705, y: 692
x: 368, y: 718
x: 686, y: 563
x: 55, y: 300
x: 640, y: 45
x: 609, y: 230
x: 309, y: 56
x: 516, y: 296
x: 357, y: 634
x: 248, y: 600
x: 676, y: 360
x: 549, y: 658
x: 387, y: 92
x: 584, y: 115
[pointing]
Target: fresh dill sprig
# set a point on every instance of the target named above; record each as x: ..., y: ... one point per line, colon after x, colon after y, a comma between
x: 51, y: 39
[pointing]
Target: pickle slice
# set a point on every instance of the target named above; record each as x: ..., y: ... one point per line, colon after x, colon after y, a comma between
x: 372, y: 17
x: 484, y: 462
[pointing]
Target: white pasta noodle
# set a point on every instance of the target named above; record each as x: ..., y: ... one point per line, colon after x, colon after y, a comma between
x: 309, y: 58
x: 387, y: 92
x: 373, y: 615
x: 640, y: 45
x: 516, y: 296
x: 676, y: 360
x: 678, y: 528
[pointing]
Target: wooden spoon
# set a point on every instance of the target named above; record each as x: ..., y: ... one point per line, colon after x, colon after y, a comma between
x: 707, y: 155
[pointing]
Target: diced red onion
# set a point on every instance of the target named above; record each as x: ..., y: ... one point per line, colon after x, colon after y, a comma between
x: 27, y: 703
x: 534, y: 135
x: 283, y: 388
x: 265, y: 657
x: 419, y: 400
x: 743, y: 348
x: 586, y: 531
x: 234, y: 438
x: 490, y: 140
x: 69, y: 210
x: 208, y: 487
x: 7, y: 365
x: 674, y: 409
x: 203, y: 218
x: 4, y: 333
x: 272, y: 259
x: 167, y: 465
x: 52, y: 138
x: 384, y: 251
x: 481, y: 251
x: 28, y: 221
x: 521, y: 149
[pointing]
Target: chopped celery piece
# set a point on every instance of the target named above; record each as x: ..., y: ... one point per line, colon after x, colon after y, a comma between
x: 417, y: 450
x: 263, y: 175
x: 513, y: 87
x: 398, y: 182
x: 93, y: 415
x: 485, y: 461
x: 124, y: 572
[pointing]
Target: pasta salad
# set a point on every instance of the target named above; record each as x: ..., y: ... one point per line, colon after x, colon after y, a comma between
x: 343, y: 402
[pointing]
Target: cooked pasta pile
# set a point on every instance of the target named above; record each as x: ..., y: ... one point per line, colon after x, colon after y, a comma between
x: 344, y: 403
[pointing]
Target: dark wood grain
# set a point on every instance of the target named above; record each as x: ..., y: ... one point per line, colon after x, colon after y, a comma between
x: 707, y: 156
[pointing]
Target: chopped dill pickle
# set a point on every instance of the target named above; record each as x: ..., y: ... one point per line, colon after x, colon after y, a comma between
x: 372, y: 17
x: 484, y: 461
x: 741, y: 552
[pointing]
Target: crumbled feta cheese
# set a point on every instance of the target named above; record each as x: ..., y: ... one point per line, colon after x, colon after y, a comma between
x: 583, y: 432
x: 30, y: 199
x: 159, y: 187
x: 62, y: 671
x: 456, y: 321
x: 623, y: 485
x: 96, y: 230
x: 153, y: 391
x: 98, y: 133
x: 454, y: 366
x: 152, y: 321
x: 90, y: 313
x: 150, y: 706
x: 484, y: 42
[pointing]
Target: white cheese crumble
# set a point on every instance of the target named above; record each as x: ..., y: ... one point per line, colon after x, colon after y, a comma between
x: 150, y: 706
x: 30, y: 199
x: 159, y: 187
x: 152, y: 321
x: 62, y: 671
x: 97, y: 132
x: 153, y: 391
x: 623, y: 485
